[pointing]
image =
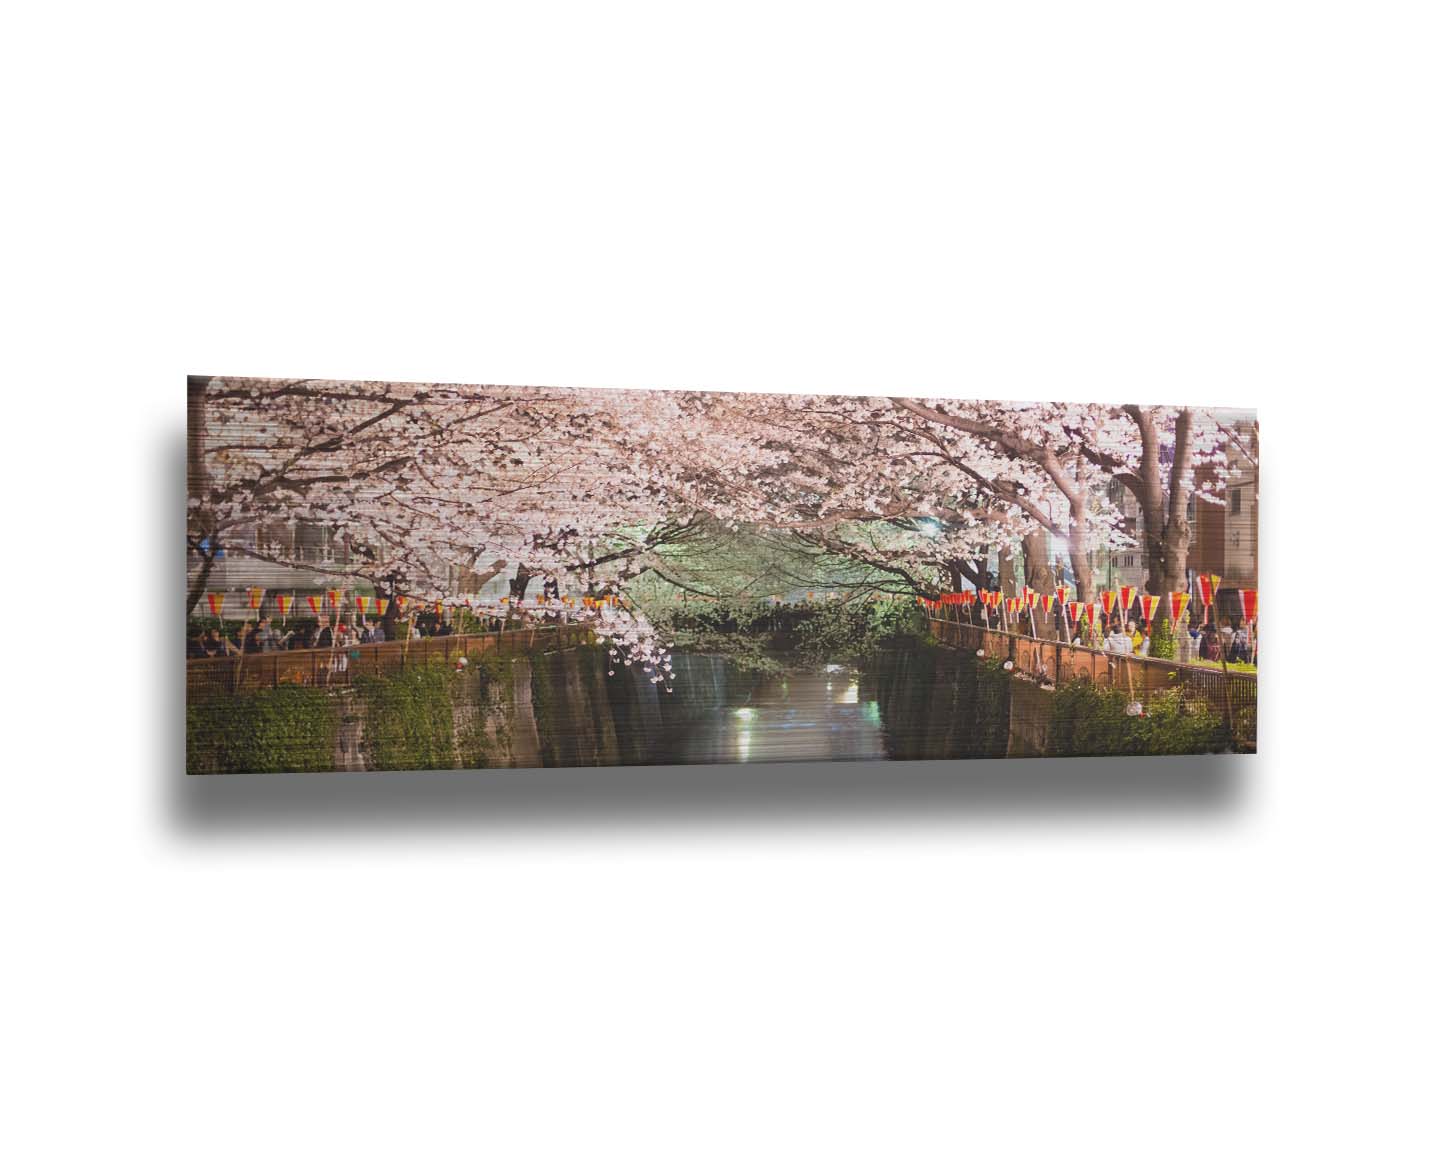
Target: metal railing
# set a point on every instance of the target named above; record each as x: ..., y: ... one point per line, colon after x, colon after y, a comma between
x: 338, y: 667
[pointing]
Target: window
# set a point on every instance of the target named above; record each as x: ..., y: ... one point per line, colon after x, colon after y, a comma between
x: 1235, y: 501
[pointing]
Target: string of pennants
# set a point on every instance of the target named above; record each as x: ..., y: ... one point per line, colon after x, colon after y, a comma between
x: 335, y: 600
x: 1125, y: 598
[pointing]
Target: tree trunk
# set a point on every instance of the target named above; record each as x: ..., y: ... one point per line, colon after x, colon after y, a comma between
x: 1007, y: 570
x: 1166, y: 537
x: 391, y: 620
x: 1038, y: 573
x: 959, y: 571
x: 518, y: 583
x: 200, y: 523
x: 1079, y: 546
x: 198, y: 582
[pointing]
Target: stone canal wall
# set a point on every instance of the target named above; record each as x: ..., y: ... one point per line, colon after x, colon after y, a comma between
x: 573, y: 706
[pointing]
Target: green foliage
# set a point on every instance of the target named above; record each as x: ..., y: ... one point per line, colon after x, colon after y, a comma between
x: 286, y: 729
x: 755, y: 635
x: 410, y: 717
x: 1250, y: 668
x: 1088, y: 720
x: 1162, y: 639
x: 487, y: 687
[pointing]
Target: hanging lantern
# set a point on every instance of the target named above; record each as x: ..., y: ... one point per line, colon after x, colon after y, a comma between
x: 257, y: 597
x: 1248, y: 604
x: 1208, y: 586
x: 1063, y: 592
x: 283, y: 601
x: 1127, y: 598
x: 316, y: 604
x: 1047, y: 604
x: 1091, y: 611
x: 332, y: 597
x: 361, y: 604
x: 381, y: 606
x: 1073, y: 609
x: 1148, y: 605
x: 1107, y: 601
x: 216, y: 601
x: 401, y: 602
x: 1178, y: 602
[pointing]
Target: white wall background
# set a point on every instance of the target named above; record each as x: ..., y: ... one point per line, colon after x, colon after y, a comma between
x: 1231, y: 204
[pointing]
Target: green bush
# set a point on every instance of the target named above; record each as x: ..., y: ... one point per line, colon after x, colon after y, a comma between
x: 488, y: 685
x: 286, y: 729
x: 810, y: 632
x: 1162, y: 640
x: 410, y: 718
x: 1088, y: 720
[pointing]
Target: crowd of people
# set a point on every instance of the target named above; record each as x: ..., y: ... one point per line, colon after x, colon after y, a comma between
x: 1229, y: 642
x: 267, y: 635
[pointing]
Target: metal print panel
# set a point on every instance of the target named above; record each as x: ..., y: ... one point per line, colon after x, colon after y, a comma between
x: 440, y: 576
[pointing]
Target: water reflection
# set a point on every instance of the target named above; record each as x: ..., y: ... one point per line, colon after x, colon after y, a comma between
x: 798, y: 716
x: 901, y: 705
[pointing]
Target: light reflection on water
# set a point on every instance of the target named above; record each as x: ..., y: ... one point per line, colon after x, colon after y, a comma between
x: 802, y: 716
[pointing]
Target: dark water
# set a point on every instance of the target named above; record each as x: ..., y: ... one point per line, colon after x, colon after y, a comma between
x: 798, y: 715
x: 906, y: 704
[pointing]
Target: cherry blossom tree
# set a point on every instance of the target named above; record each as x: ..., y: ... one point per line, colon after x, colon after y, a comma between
x: 597, y: 488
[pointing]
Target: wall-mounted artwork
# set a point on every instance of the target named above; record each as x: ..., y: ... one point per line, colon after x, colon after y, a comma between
x: 442, y: 576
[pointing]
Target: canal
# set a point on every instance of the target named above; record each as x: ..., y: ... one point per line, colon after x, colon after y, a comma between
x: 902, y: 704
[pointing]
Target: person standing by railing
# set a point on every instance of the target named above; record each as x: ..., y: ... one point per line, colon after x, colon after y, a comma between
x: 1209, y: 644
x: 1240, y: 647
